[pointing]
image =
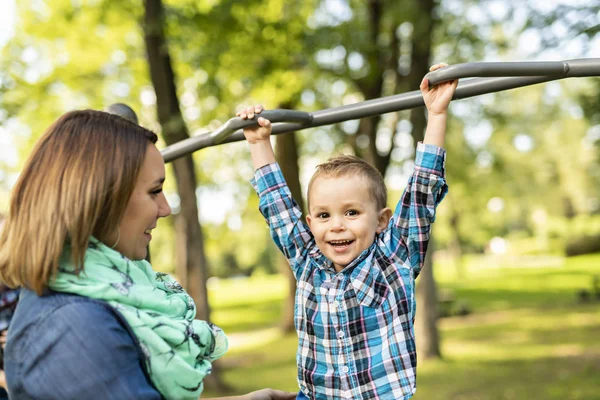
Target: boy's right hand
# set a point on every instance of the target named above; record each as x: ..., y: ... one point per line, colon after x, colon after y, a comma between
x: 259, y: 133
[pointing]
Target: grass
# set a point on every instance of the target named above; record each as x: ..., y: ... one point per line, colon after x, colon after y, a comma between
x: 527, y: 337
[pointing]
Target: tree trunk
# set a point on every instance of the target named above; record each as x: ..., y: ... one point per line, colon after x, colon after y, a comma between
x: 427, y: 308
x: 371, y: 87
x: 455, y: 245
x: 191, y: 260
x: 287, y: 154
x: 427, y: 337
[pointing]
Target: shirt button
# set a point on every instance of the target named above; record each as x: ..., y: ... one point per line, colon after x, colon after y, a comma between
x: 345, y: 369
x: 335, y: 304
x: 340, y: 334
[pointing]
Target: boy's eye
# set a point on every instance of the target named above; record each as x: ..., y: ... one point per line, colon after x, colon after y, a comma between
x: 323, y: 215
x: 351, y: 213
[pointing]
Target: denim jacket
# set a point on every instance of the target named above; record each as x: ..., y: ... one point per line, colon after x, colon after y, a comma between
x: 64, y: 346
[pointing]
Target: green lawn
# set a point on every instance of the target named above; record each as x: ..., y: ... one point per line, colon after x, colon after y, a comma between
x: 527, y: 337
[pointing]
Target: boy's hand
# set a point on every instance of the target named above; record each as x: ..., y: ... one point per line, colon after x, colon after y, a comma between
x: 259, y: 133
x: 438, y: 97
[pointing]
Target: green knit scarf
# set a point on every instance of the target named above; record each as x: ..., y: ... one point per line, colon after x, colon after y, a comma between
x: 178, y: 349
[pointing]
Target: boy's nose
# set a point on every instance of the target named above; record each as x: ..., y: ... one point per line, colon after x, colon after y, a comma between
x: 337, y: 224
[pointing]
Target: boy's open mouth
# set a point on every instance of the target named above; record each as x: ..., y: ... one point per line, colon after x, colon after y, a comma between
x: 340, y: 244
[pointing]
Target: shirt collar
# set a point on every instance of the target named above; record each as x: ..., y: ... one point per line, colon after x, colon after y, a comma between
x: 366, y: 276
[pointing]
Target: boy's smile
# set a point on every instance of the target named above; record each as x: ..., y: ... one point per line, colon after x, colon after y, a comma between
x: 343, y: 217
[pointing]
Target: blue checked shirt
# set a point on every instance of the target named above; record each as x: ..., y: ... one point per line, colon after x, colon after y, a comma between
x: 355, y: 327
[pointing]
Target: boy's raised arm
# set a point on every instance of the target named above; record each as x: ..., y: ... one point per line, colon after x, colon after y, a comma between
x: 276, y: 204
x: 437, y: 99
x: 259, y: 138
x: 415, y: 211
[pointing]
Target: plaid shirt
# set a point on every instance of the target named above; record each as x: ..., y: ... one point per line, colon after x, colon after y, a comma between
x: 355, y: 327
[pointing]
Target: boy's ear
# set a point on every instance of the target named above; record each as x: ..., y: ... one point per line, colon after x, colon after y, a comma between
x: 383, y: 219
x: 308, y: 220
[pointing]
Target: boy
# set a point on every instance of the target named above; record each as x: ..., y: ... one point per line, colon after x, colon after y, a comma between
x: 355, y: 263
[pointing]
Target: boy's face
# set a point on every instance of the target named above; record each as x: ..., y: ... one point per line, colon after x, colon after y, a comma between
x: 344, y: 218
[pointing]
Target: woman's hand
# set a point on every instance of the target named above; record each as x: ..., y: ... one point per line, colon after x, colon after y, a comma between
x: 270, y: 394
x: 264, y: 394
x: 3, y: 335
x: 3, y: 380
x: 259, y: 133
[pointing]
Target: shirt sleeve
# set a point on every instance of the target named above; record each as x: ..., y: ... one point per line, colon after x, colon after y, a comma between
x: 283, y: 215
x: 410, y: 226
x: 82, y: 351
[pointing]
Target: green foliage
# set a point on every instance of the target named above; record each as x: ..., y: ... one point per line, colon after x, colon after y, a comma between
x: 539, y: 185
x: 51, y: 66
x: 308, y: 55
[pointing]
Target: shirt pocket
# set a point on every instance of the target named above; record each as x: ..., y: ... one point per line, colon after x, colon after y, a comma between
x: 370, y: 284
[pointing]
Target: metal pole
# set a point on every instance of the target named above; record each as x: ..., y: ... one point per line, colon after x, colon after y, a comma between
x: 124, y: 111
x: 494, y: 77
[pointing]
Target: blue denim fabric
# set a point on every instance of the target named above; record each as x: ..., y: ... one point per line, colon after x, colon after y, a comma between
x: 63, y: 346
x: 301, y: 396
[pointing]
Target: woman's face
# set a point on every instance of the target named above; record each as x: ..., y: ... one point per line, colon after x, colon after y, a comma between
x: 146, y: 205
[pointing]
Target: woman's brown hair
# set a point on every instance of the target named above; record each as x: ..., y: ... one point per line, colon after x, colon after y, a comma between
x: 76, y: 183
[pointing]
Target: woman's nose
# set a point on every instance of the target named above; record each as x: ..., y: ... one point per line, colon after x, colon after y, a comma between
x: 164, y: 210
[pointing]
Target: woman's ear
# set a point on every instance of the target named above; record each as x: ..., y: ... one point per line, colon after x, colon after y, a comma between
x: 383, y: 219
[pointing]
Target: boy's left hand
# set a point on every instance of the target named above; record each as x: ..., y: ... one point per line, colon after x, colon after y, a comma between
x: 438, y: 97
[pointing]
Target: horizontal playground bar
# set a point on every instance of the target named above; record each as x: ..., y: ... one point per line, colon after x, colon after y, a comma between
x: 562, y: 69
x: 492, y: 77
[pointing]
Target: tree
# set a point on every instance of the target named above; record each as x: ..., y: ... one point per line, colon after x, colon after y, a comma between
x: 192, y: 263
x: 287, y: 152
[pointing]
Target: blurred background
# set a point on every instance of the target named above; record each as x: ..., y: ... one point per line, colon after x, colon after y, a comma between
x: 509, y: 304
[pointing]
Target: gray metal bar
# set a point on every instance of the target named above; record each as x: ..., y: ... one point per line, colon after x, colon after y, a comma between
x: 565, y: 69
x: 224, y: 131
x: 124, y: 111
x: 467, y: 88
x: 279, y: 115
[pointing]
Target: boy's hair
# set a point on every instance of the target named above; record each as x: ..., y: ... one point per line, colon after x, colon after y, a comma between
x: 344, y: 165
x: 75, y: 184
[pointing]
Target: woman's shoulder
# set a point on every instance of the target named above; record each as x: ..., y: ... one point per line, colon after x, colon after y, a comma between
x: 63, y: 311
x: 76, y: 344
x: 67, y: 325
x: 67, y: 321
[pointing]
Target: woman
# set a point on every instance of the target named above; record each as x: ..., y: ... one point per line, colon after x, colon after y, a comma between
x: 94, y: 321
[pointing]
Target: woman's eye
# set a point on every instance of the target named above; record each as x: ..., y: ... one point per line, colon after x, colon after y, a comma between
x: 156, y: 192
